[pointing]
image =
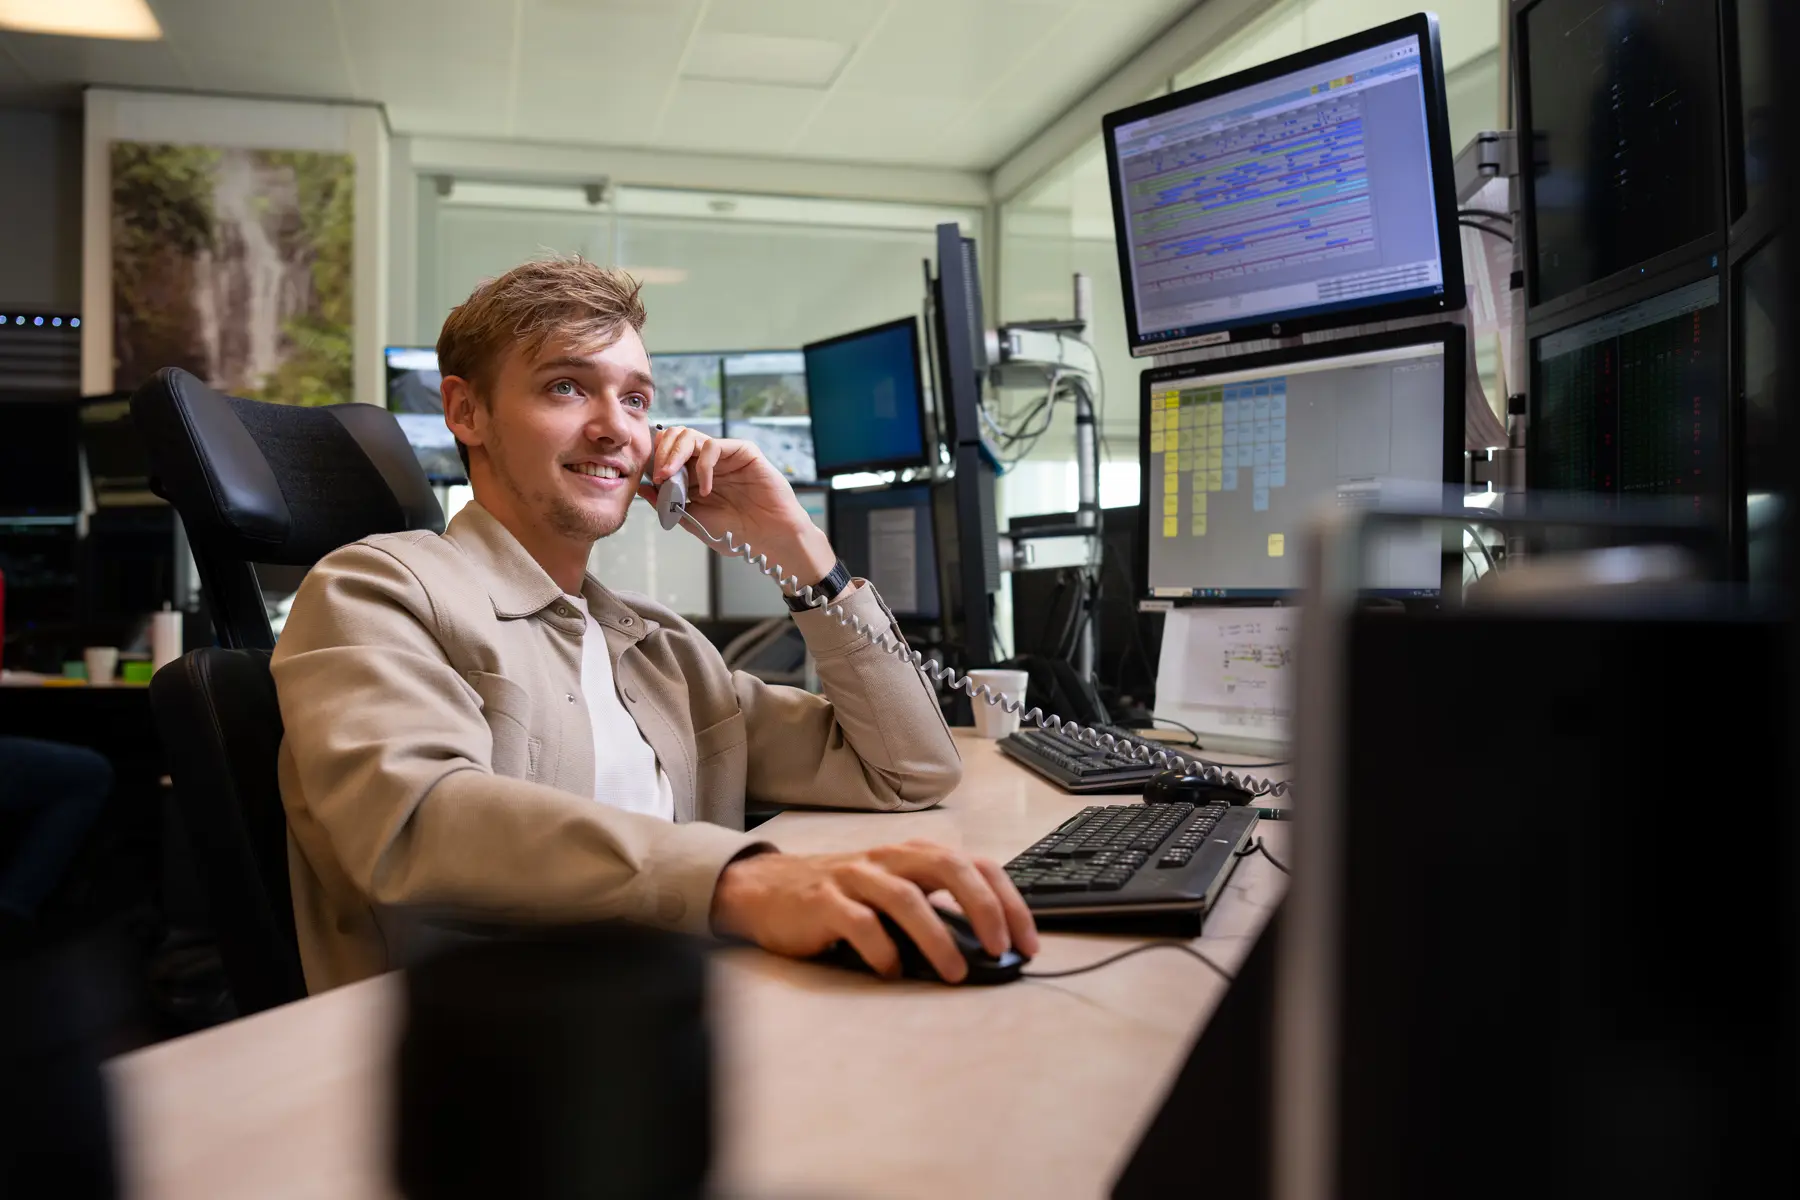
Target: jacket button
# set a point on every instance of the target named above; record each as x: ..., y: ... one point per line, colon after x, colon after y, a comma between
x: 563, y: 610
x: 569, y: 696
x: 624, y: 620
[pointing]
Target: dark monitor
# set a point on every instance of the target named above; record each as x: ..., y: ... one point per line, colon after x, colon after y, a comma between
x: 867, y: 401
x: 1755, y: 74
x: 117, y: 465
x: 40, y: 456
x: 690, y: 391
x: 1046, y: 602
x: 1620, y: 108
x: 888, y: 536
x: 415, y: 396
x: 765, y: 403
x: 1632, y: 402
x: 1313, y: 190
x: 1239, y: 453
x: 1758, y: 362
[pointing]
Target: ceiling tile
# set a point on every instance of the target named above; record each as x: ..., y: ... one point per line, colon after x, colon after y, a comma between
x: 617, y: 108
x: 734, y: 118
x: 764, y: 58
x: 292, y: 75
x: 871, y: 126
x: 260, y: 35
x: 70, y: 60
x: 948, y: 48
x: 843, y: 21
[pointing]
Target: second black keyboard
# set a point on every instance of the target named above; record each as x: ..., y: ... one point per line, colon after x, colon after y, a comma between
x: 1075, y: 766
x: 1133, y: 858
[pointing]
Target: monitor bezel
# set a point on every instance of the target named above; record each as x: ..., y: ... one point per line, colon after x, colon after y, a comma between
x: 1451, y: 337
x: 1423, y: 27
x: 1655, y: 272
x: 825, y: 471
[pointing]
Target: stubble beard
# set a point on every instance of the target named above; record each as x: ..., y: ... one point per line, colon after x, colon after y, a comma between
x: 567, y: 518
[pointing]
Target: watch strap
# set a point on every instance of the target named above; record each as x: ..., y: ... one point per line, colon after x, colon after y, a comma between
x: 835, y: 581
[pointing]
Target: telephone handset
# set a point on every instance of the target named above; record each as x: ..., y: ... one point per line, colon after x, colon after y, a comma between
x: 671, y: 510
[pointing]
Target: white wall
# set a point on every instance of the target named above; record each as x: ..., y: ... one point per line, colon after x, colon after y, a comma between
x: 358, y: 130
x: 40, y: 210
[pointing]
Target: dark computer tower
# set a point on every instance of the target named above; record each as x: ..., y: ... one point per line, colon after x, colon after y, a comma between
x: 1562, y: 963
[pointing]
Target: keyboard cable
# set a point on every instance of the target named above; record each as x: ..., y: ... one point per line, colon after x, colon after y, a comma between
x: 1255, y: 847
x: 1109, y: 961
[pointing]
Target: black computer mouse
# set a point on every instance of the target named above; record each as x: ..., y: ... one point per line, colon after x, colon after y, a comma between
x: 1171, y: 787
x: 984, y: 968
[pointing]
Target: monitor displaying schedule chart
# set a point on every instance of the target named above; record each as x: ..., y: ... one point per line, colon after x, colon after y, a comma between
x: 1313, y: 190
x: 1240, y: 453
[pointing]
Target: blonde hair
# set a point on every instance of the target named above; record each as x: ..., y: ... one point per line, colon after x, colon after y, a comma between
x: 559, y: 296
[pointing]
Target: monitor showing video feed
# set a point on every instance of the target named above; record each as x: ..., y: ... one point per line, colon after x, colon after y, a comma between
x: 688, y: 391
x: 415, y: 397
x: 765, y: 403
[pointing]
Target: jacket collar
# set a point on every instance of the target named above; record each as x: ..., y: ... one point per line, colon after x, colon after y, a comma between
x: 518, y: 586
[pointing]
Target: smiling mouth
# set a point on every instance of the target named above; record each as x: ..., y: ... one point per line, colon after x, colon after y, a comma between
x: 594, y: 470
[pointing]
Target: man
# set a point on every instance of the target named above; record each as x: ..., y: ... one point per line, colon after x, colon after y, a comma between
x: 479, y: 730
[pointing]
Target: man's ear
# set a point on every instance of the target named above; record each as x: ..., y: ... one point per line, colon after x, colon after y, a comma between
x: 463, y: 413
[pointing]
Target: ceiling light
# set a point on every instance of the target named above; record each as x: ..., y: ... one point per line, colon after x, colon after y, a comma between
x: 126, y: 19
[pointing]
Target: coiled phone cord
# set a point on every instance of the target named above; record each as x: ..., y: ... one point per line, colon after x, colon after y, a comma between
x: 938, y: 674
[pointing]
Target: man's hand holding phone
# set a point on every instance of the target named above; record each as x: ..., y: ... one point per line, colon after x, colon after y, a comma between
x: 731, y: 486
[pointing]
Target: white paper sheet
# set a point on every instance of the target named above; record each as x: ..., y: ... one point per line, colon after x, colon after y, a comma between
x: 893, y: 555
x: 1229, y: 670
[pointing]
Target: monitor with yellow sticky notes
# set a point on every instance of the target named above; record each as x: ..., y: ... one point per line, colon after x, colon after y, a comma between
x: 1239, y: 452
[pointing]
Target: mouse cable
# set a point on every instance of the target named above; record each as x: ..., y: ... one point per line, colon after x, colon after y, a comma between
x: 1227, y: 976
x: 1257, y: 847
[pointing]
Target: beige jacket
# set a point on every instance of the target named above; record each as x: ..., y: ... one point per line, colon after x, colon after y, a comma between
x: 438, y: 765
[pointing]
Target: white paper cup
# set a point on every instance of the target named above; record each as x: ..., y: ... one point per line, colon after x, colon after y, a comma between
x: 102, y: 664
x: 992, y: 721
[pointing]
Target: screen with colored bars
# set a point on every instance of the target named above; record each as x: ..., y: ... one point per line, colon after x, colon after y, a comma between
x: 1306, y: 194
x: 1632, y: 402
x: 1239, y: 461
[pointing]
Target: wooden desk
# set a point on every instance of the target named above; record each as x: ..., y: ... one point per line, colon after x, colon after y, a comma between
x: 831, y: 1083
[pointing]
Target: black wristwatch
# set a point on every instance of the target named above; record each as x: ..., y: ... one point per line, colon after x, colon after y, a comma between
x: 835, y: 581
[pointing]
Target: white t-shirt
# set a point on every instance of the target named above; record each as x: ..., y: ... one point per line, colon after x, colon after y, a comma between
x: 626, y: 773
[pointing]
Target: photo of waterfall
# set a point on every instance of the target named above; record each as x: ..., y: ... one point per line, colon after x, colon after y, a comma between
x: 236, y: 265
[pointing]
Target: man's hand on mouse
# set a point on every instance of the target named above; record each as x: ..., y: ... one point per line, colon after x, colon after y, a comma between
x: 800, y: 904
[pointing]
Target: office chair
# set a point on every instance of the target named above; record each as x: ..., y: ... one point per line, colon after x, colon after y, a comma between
x: 256, y: 483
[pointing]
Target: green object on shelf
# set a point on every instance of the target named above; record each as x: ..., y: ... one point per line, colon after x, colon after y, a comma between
x: 138, y: 672
x: 75, y: 669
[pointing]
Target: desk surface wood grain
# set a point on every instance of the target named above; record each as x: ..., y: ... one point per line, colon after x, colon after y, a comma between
x: 831, y: 1083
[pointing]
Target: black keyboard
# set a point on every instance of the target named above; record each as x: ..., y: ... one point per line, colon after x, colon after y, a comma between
x: 1133, y: 858
x: 1075, y: 766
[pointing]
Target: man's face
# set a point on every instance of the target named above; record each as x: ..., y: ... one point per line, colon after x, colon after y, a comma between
x: 568, y: 432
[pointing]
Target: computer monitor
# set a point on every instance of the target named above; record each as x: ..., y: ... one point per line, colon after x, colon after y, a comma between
x: 1755, y: 75
x: 415, y: 395
x: 690, y: 391
x: 1619, y: 104
x: 1313, y: 190
x: 1240, y: 452
x: 888, y: 536
x: 40, y: 456
x: 867, y: 401
x: 1758, y: 363
x: 1632, y: 402
x: 748, y: 595
x: 765, y: 403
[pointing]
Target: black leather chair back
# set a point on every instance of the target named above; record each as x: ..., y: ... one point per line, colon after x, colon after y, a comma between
x: 273, y: 483
x: 221, y: 726
x: 268, y: 483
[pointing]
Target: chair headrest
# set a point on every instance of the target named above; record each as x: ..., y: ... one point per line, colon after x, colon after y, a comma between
x: 275, y: 483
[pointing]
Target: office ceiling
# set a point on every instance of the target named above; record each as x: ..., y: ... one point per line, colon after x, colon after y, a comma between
x: 950, y: 83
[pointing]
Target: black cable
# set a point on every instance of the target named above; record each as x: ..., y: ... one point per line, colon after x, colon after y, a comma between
x: 1187, y: 729
x: 1485, y: 212
x: 1257, y: 847
x: 1487, y: 229
x: 1227, y: 976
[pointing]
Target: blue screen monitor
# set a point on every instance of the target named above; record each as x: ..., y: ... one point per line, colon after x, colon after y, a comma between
x: 866, y: 400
